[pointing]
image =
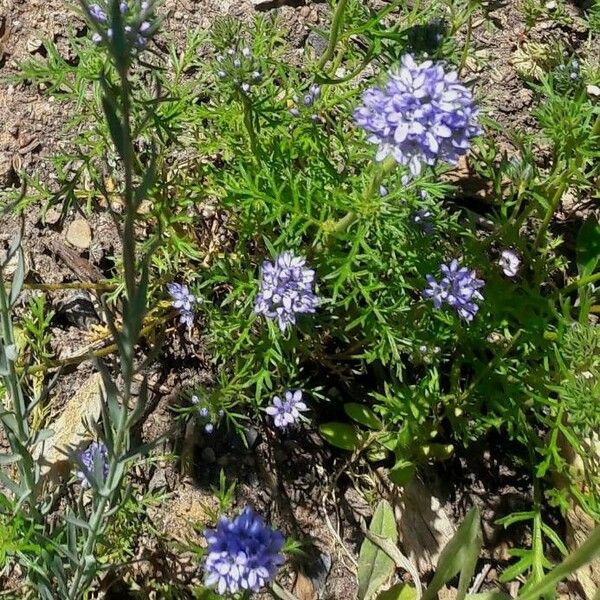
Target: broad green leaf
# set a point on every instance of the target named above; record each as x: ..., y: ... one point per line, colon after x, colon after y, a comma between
x: 363, y: 415
x: 375, y: 567
x: 459, y: 556
x: 588, y: 246
x: 341, y: 435
x: 400, y: 591
x: 402, y: 472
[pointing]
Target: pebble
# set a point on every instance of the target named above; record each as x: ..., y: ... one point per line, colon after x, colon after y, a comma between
x: 33, y: 45
x: 593, y: 90
x: 79, y: 234
x: 52, y: 216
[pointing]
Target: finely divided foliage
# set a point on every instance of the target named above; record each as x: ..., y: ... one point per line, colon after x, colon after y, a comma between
x: 251, y: 198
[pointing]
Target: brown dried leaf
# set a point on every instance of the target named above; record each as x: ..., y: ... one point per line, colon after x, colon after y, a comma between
x: 304, y: 588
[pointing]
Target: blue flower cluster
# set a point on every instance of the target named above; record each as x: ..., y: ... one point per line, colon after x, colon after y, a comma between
x: 242, y: 554
x: 459, y: 288
x: 421, y: 116
x: 238, y: 68
x: 287, y: 412
x: 307, y: 103
x: 286, y: 290
x: 183, y: 301
x: 96, y: 453
x: 137, y: 16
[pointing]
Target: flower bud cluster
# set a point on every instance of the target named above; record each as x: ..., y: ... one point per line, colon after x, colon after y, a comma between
x: 307, y: 103
x: 239, y: 68
x: 137, y: 18
x: 207, y: 416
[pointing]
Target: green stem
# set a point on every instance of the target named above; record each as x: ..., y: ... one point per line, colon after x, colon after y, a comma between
x: 15, y: 393
x: 465, y: 53
x: 83, y: 574
x: 580, y: 283
x: 249, y: 124
x: 350, y: 217
x: 101, y: 353
x: 76, y: 285
x: 596, y: 127
x: 336, y: 26
x: 129, y: 258
x: 577, y: 559
x: 554, y: 203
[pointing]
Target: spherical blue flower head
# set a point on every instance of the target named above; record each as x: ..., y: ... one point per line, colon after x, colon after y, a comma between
x: 422, y: 115
x: 183, y: 301
x: 96, y: 452
x: 98, y: 13
x: 286, y: 290
x: 458, y: 288
x: 243, y: 554
x: 287, y: 411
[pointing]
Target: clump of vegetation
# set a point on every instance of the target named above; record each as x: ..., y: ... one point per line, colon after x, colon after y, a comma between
x: 348, y: 287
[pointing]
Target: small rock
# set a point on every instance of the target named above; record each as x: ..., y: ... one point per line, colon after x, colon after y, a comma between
x: 79, y: 310
x: 25, y: 140
x: 33, y: 45
x: 593, y: 90
x: 52, y: 216
x: 158, y: 481
x: 79, y: 234
x: 551, y: 5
